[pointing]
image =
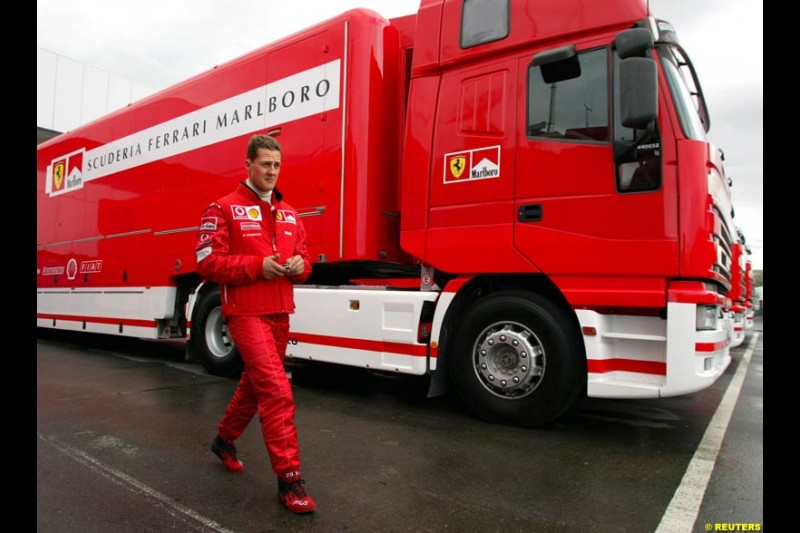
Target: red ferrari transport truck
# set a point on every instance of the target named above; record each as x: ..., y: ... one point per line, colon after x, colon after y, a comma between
x: 749, y: 299
x: 740, y: 307
x: 516, y: 198
x: 738, y: 302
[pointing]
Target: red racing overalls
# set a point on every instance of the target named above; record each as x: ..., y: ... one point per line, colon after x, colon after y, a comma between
x: 236, y: 233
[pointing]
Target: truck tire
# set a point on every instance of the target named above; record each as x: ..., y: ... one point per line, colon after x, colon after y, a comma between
x: 210, y: 339
x: 517, y: 360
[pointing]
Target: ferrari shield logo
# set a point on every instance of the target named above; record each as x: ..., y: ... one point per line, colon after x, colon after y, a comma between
x: 457, y: 166
x: 467, y: 166
x: 58, y: 175
x: 65, y: 173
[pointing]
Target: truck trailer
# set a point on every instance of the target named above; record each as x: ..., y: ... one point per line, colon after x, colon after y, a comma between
x: 515, y: 198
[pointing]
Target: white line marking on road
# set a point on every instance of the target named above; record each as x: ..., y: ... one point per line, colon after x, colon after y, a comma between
x: 172, y: 507
x: 682, y: 511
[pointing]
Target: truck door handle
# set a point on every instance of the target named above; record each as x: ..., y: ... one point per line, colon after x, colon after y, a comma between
x: 529, y: 213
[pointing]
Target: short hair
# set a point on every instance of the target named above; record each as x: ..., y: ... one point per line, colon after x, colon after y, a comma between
x: 260, y: 140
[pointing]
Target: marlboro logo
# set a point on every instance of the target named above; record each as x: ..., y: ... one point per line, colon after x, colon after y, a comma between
x: 471, y: 165
x: 208, y: 224
x: 65, y: 173
x: 286, y: 216
x: 303, y: 94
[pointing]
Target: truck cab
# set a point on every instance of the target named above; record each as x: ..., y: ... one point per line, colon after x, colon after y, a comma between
x: 567, y: 159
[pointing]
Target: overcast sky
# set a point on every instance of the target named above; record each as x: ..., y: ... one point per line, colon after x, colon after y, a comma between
x: 156, y: 43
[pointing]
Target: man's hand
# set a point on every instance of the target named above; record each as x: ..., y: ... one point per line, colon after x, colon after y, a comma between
x: 271, y: 269
x: 294, y: 265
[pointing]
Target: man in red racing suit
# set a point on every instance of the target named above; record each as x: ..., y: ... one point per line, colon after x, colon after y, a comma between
x: 253, y: 245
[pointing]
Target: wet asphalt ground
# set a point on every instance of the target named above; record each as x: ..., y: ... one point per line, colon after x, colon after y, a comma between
x: 124, y: 429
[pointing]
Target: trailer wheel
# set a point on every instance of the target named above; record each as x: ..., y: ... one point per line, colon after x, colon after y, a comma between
x: 516, y: 360
x: 210, y: 338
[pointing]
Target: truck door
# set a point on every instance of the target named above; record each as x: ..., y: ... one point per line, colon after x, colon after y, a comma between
x: 577, y: 210
x: 471, y: 218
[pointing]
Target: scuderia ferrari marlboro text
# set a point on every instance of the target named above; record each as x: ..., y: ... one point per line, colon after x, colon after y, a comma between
x: 304, y: 94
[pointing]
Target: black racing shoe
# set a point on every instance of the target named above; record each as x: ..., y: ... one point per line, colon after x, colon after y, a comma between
x: 294, y: 496
x: 227, y: 454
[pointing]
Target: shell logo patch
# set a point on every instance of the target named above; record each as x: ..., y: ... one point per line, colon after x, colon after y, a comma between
x: 470, y: 165
x: 246, y: 212
x: 72, y: 268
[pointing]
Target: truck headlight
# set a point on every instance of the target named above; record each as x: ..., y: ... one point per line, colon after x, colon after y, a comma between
x: 707, y: 317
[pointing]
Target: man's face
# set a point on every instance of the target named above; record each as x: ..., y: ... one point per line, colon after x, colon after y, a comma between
x: 264, y: 169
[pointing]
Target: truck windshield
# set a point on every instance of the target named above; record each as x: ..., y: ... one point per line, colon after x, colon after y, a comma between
x: 686, y: 92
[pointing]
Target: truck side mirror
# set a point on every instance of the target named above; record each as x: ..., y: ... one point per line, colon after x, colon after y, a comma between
x: 638, y: 92
x: 638, y: 78
x: 633, y: 43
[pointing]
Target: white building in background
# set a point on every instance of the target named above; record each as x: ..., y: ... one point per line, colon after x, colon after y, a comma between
x: 70, y: 93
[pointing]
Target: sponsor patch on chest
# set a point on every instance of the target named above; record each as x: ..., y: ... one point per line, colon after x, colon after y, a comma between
x: 246, y: 212
x: 250, y: 226
x: 285, y: 216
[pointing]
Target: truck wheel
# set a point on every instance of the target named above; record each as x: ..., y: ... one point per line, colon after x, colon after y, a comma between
x: 210, y: 339
x: 516, y: 360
